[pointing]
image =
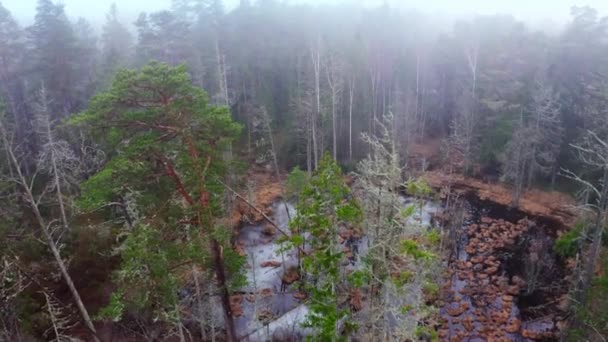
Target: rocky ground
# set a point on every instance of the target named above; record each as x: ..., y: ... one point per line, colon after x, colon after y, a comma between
x: 481, y: 298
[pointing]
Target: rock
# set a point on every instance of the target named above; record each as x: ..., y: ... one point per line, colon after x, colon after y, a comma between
x: 356, y: 300
x: 235, y: 305
x: 467, y: 323
x: 518, y: 281
x: 270, y: 263
x: 513, y: 325
x: 265, y: 293
x: 345, y: 233
x: 513, y: 290
x: 269, y: 230
x: 290, y: 276
x: 457, y: 311
x: 299, y: 295
x: 265, y: 315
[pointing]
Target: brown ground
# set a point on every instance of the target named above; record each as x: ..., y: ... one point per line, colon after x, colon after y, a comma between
x: 547, y: 204
x: 264, y: 190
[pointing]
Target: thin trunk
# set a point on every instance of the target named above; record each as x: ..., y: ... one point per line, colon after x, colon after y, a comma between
x: 274, y: 159
x: 199, y: 302
x: 180, y: 328
x: 29, y: 197
x: 221, y: 69
x: 218, y: 261
x: 56, y: 179
x: 350, y: 119
x: 598, y: 227
x: 316, y: 62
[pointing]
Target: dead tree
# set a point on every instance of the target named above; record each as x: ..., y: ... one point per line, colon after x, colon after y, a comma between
x: 517, y: 158
x: 33, y: 201
x: 593, y: 153
x: 333, y: 71
x: 548, y: 132
x: 315, y: 56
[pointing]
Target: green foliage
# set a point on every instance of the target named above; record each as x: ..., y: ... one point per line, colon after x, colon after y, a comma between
x: 433, y: 236
x: 418, y: 188
x: 358, y: 278
x: 408, y: 211
x: 403, y: 278
x: 496, y: 137
x: 165, y: 145
x: 143, y: 276
x: 296, y: 180
x: 569, y: 243
x: 325, y: 204
x: 413, y: 249
x: 427, y: 334
x: 114, y: 310
x: 430, y: 289
x: 594, y: 314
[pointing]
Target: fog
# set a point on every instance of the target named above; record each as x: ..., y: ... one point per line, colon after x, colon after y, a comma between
x: 543, y: 12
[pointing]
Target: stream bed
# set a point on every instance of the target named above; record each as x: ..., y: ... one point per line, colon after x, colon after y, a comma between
x: 503, y: 281
x: 498, y: 284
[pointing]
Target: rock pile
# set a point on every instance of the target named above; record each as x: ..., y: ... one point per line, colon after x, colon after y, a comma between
x: 479, y: 296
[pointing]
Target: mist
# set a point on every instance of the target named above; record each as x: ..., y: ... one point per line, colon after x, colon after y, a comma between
x: 305, y: 170
x: 541, y: 14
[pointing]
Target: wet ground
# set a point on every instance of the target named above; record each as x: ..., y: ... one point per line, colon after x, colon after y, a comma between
x: 503, y: 279
x: 492, y: 290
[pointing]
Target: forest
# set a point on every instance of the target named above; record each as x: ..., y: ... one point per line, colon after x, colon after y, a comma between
x: 288, y: 172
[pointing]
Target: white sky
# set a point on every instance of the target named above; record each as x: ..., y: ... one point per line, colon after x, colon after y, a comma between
x: 528, y: 10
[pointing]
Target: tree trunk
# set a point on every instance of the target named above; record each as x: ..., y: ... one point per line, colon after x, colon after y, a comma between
x: 218, y: 260
x: 596, y: 245
x: 45, y: 230
x: 316, y: 62
x: 350, y: 119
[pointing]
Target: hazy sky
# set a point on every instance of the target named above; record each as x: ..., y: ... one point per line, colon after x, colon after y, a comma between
x: 529, y: 10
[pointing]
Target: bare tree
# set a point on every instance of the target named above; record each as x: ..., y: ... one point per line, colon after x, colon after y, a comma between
x: 34, y: 201
x: 334, y: 70
x: 60, y: 321
x: 516, y: 159
x: 315, y: 56
x: 351, y: 95
x: 464, y: 126
x: 593, y: 152
x: 56, y: 156
x: 12, y: 283
x: 548, y: 131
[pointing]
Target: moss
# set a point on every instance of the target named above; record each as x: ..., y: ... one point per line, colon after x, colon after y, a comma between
x: 426, y: 334
x: 568, y: 244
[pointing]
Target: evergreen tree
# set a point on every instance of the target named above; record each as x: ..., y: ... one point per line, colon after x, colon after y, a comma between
x: 165, y: 146
x: 54, y: 46
x: 325, y: 206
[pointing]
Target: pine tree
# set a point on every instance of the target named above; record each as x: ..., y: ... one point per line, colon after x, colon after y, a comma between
x: 325, y: 206
x: 166, y: 146
x: 54, y: 46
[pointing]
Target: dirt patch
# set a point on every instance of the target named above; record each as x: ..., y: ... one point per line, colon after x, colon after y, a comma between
x: 545, y: 204
x: 264, y: 189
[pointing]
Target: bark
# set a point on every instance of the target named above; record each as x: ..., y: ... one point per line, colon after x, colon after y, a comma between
x: 218, y: 261
x: 199, y: 303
